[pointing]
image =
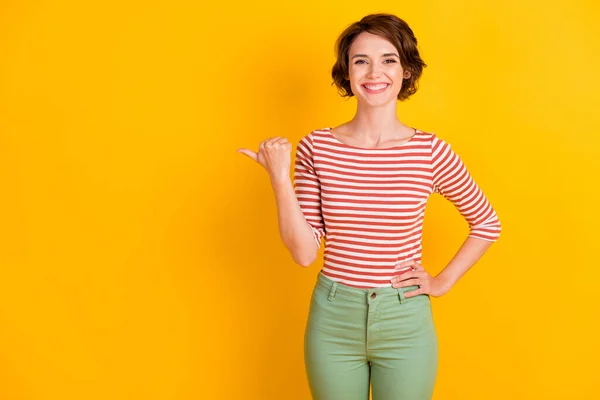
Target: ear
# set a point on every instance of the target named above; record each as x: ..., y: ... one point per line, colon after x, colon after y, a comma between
x: 407, y: 74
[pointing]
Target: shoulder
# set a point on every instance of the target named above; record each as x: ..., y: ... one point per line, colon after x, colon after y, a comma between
x: 306, y: 144
x: 438, y: 147
x: 425, y: 139
x: 436, y: 141
x: 309, y: 138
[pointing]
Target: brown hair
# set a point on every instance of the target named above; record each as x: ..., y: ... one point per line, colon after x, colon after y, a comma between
x: 391, y: 28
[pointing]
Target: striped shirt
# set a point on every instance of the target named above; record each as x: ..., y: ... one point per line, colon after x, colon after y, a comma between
x: 369, y: 204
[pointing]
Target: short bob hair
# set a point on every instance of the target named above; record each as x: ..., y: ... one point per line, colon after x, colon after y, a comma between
x: 391, y: 28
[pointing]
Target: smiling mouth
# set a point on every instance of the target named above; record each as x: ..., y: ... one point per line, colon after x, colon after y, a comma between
x: 376, y: 88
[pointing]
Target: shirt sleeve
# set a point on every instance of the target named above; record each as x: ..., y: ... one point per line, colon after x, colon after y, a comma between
x: 308, y: 187
x: 452, y: 180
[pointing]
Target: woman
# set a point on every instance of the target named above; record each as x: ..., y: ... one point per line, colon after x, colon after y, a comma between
x: 363, y: 185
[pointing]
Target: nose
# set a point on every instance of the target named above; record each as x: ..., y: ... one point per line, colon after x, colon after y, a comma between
x: 374, y: 71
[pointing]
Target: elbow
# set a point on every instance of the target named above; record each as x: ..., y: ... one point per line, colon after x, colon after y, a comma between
x: 489, y: 233
x: 498, y: 228
x: 304, y: 251
x: 489, y: 230
x: 306, y: 257
x: 306, y: 260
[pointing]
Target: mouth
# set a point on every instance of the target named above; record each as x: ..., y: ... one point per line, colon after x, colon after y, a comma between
x: 375, y: 88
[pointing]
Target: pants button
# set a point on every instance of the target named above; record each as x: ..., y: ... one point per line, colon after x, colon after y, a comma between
x: 373, y: 295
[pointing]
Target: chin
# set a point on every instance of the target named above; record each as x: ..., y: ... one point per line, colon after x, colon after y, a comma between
x: 377, y: 102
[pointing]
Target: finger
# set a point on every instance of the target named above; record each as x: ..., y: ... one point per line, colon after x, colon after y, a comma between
x: 403, y: 276
x: 421, y: 274
x: 264, y: 143
x: 249, y: 153
x: 407, y: 282
x: 272, y: 140
x: 418, y: 267
x: 403, y: 271
x: 413, y: 274
x: 413, y: 293
x: 413, y: 264
x: 406, y: 264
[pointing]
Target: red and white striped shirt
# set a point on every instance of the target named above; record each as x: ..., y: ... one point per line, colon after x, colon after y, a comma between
x: 369, y: 204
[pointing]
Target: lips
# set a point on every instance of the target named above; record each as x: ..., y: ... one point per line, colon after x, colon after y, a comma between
x: 376, y: 87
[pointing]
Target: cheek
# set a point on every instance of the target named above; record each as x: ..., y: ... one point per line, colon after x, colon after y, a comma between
x: 354, y: 75
x: 354, y: 79
x: 396, y: 75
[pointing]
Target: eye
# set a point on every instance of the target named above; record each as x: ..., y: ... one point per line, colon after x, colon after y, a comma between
x: 391, y: 60
x: 359, y: 61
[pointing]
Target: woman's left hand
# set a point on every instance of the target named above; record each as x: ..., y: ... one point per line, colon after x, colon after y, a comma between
x: 418, y: 276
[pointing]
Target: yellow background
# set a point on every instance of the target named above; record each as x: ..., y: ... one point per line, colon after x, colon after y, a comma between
x: 139, y: 252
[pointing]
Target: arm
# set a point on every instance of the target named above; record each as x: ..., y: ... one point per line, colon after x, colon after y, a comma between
x: 469, y: 253
x: 296, y: 230
x: 307, y: 189
x: 296, y: 233
x: 452, y: 180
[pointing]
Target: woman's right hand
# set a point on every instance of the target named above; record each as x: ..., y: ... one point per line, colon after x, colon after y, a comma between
x: 274, y: 154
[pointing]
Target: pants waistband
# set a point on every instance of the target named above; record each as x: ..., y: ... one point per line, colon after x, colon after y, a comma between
x: 338, y: 290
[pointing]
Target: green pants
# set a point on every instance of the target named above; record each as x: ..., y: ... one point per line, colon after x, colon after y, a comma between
x: 355, y: 337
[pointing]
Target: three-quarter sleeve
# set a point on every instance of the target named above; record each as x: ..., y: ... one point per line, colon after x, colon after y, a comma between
x: 308, y: 188
x: 453, y: 181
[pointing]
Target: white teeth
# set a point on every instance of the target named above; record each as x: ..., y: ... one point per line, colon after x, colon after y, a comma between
x: 377, y: 87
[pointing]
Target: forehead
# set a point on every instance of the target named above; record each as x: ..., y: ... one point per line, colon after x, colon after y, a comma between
x: 370, y: 44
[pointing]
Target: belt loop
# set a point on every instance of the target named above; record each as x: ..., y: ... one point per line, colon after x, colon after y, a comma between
x: 334, y: 286
x: 401, y: 296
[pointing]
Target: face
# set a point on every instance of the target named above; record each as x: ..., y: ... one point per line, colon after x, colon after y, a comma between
x: 374, y: 68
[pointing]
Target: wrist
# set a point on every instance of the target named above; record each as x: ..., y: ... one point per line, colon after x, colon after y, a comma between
x: 445, y: 282
x: 280, y: 180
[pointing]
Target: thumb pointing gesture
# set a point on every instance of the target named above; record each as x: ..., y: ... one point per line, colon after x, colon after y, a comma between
x: 274, y: 155
x: 249, y: 153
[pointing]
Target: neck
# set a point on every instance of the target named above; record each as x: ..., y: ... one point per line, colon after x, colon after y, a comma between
x: 376, y: 124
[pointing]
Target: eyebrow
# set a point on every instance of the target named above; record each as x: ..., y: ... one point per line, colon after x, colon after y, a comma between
x: 385, y: 55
